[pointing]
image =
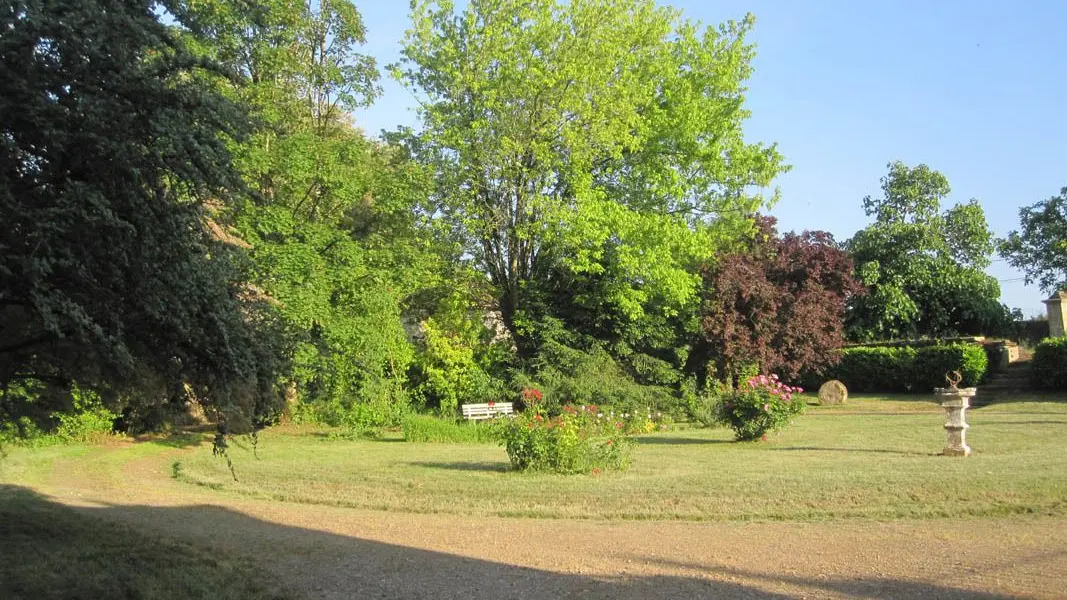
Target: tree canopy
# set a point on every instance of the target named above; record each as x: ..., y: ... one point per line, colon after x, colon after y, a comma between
x: 564, y: 133
x: 924, y: 267
x: 1039, y: 248
x: 110, y: 275
x: 778, y: 304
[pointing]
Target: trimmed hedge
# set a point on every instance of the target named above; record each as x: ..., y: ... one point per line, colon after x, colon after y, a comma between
x: 908, y: 369
x: 1050, y: 364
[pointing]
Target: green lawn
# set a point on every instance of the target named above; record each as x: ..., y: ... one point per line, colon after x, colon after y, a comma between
x: 871, y: 458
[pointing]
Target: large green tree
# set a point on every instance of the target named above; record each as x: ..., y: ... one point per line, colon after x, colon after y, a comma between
x: 923, y: 267
x: 110, y: 275
x: 601, y: 138
x: 1039, y: 248
x: 333, y: 222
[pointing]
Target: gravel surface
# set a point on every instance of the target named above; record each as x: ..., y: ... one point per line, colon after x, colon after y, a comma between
x: 327, y: 552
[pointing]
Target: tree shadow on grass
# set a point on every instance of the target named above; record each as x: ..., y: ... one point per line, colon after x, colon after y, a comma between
x: 679, y: 441
x: 214, y: 552
x: 493, y: 467
x: 853, y: 450
x: 352, y: 437
x: 179, y: 441
x: 1022, y: 423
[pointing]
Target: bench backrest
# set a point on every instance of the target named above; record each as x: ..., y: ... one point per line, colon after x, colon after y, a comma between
x: 487, y: 410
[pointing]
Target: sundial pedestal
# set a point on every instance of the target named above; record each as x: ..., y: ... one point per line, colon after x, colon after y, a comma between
x: 956, y: 402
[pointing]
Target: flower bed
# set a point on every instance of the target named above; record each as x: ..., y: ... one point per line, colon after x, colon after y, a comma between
x: 579, y: 440
x: 763, y: 404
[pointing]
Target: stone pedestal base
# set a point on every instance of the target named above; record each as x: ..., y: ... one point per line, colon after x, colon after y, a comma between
x: 956, y: 402
x: 957, y: 443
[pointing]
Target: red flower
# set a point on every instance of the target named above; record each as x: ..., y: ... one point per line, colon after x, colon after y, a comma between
x: 618, y: 425
x: 539, y: 418
x: 609, y: 442
x: 492, y: 404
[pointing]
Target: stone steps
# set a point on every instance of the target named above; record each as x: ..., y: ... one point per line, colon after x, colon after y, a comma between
x: 1012, y: 381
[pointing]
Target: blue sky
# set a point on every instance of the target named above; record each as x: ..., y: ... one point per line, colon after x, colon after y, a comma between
x: 975, y: 89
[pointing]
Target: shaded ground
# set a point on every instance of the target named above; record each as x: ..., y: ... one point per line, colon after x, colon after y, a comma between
x: 331, y: 552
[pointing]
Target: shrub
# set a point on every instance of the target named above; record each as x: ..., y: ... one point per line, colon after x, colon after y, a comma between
x: 761, y: 405
x: 933, y: 362
x: 427, y: 428
x: 575, y: 441
x: 80, y: 417
x: 364, y: 418
x: 907, y: 368
x: 1050, y: 364
x: 89, y: 421
x: 568, y: 375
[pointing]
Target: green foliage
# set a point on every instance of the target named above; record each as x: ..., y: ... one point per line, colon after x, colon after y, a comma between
x: 1049, y: 364
x: 568, y: 375
x: 1039, y: 249
x: 362, y: 418
x: 908, y: 369
x: 111, y: 144
x: 459, y: 358
x: 575, y: 441
x: 428, y: 428
x: 334, y: 223
x: 89, y: 420
x: 351, y: 345
x: 597, y: 139
x: 40, y: 418
x: 758, y: 406
x: 923, y: 267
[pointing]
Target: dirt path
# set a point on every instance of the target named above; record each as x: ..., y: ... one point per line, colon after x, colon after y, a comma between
x: 326, y: 552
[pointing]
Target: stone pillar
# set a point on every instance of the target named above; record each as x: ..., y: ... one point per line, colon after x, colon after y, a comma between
x: 956, y: 402
x: 1057, y: 314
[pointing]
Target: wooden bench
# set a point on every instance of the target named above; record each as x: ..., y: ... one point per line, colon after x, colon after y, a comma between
x: 489, y: 410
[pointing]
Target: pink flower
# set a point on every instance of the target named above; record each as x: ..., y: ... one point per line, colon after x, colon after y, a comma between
x: 766, y: 408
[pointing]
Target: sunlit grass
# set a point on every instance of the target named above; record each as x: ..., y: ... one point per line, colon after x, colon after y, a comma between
x: 871, y: 458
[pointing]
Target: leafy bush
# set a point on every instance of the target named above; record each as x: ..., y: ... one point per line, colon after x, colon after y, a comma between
x: 575, y: 441
x: 89, y: 421
x: 568, y: 375
x: 82, y: 417
x: 365, y: 418
x: 761, y: 405
x: 457, y: 361
x: 906, y: 368
x: 427, y: 428
x: 1050, y: 364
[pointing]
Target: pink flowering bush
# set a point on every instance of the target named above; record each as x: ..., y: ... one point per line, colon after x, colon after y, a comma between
x: 760, y: 405
x: 578, y: 440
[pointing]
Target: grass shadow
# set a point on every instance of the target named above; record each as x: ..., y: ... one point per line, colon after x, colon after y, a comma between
x: 487, y: 467
x: 332, y: 436
x: 678, y: 441
x: 179, y: 441
x: 853, y: 450
x: 1041, y: 422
